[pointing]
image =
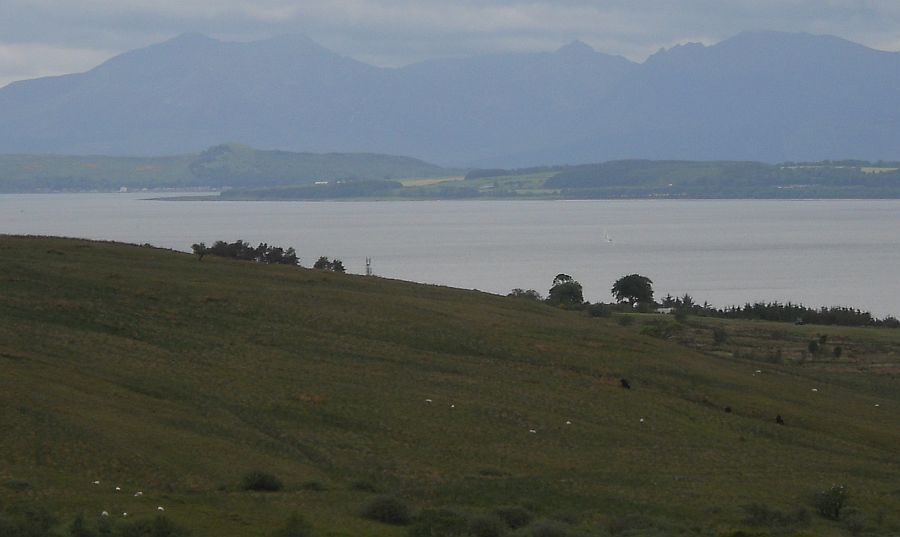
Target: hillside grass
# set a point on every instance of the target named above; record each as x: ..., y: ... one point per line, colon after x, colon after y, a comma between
x: 146, y: 369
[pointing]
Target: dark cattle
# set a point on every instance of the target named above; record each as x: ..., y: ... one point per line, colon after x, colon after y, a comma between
x: 779, y: 420
x: 625, y: 384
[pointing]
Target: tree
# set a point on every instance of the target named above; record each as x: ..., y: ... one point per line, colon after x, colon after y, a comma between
x: 200, y: 250
x: 634, y: 289
x: 565, y: 291
x: 323, y: 263
x: 529, y: 294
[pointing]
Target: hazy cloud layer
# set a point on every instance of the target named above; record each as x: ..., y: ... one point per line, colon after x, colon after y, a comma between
x: 39, y: 37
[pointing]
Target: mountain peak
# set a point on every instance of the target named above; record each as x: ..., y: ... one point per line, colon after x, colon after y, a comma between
x: 576, y: 48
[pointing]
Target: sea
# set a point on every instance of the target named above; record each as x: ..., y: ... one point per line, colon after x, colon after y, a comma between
x: 724, y: 252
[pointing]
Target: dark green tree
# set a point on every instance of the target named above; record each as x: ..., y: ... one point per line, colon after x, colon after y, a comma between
x: 634, y: 289
x: 565, y: 291
x: 200, y: 250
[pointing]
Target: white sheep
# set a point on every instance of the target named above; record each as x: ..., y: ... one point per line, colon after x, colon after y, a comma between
x: 428, y: 400
x: 568, y: 422
x: 118, y: 489
x: 532, y: 431
x: 160, y: 508
x: 96, y: 482
x: 104, y: 513
x: 138, y: 494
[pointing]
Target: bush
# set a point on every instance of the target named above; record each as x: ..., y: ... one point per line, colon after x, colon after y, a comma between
x: 625, y: 320
x: 813, y: 347
x: 830, y: 502
x: 486, y: 526
x: 837, y: 351
x: 315, y: 486
x: 720, y: 336
x: 438, y: 523
x: 157, y: 527
x: 364, y: 485
x: 514, y: 516
x: 599, y: 310
x: 388, y: 510
x: 761, y: 515
x: 261, y: 481
x: 551, y: 529
x: 295, y: 526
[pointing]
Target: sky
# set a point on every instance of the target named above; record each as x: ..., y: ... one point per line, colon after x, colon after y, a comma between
x: 49, y: 37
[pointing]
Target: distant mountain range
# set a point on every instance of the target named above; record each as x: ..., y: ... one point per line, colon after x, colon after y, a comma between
x: 763, y: 96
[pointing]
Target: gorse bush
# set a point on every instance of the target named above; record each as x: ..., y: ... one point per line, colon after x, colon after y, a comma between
x: 261, y: 481
x: 514, y: 516
x: 761, y: 515
x: 387, y: 509
x: 486, y: 526
x: 439, y: 523
x: 830, y: 502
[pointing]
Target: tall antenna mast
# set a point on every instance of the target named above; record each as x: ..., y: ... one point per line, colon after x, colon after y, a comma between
x: 368, y: 266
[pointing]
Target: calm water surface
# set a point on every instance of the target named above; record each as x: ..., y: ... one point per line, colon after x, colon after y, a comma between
x: 828, y: 252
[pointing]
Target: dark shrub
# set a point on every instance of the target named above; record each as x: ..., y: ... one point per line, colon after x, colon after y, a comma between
x: 486, y: 526
x: 813, y: 347
x: 294, y: 526
x: 17, y: 485
x: 364, y: 485
x: 720, y: 336
x: 514, y: 516
x: 837, y: 351
x: 388, y: 510
x: 438, y: 523
x: 551, y: 529
x: 261, y: 481
x: 599, y: 310
x: 761, y: 515
x: 157, y: 527
x: 79, y: 528
x: 830, y: 502
x: 625, y: 320
x: 315, y: 486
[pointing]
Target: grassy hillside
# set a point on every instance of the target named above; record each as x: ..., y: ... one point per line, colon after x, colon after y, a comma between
x: 146, y: 369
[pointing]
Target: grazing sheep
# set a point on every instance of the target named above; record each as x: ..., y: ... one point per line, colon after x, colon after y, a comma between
x: 532, y: 431
x: 124, y: 514
x: 104, y: 513
x: 625, y: 384
x: 118, y: 489
x: 568, y: 422
x: 815, y: 389
x: 642, y: 420
x: 96, y: 482
x: 160, y: 508
x: 428, y: 400
x: 779, y: 420
x: 138, y: 494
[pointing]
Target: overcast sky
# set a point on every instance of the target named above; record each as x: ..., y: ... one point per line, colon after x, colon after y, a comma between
x: 45, y: 37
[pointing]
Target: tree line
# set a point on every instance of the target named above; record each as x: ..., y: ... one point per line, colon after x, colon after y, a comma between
x: 262, y: 253
x: 634, y: 292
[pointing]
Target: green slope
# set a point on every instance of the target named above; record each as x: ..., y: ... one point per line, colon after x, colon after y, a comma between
x: 229, y: 165
x: 146, y: 369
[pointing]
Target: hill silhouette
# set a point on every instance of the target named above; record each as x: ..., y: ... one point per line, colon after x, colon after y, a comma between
x: 763, y: 96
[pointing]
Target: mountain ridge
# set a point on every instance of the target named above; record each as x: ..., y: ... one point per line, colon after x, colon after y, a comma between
x: 766, y: 96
